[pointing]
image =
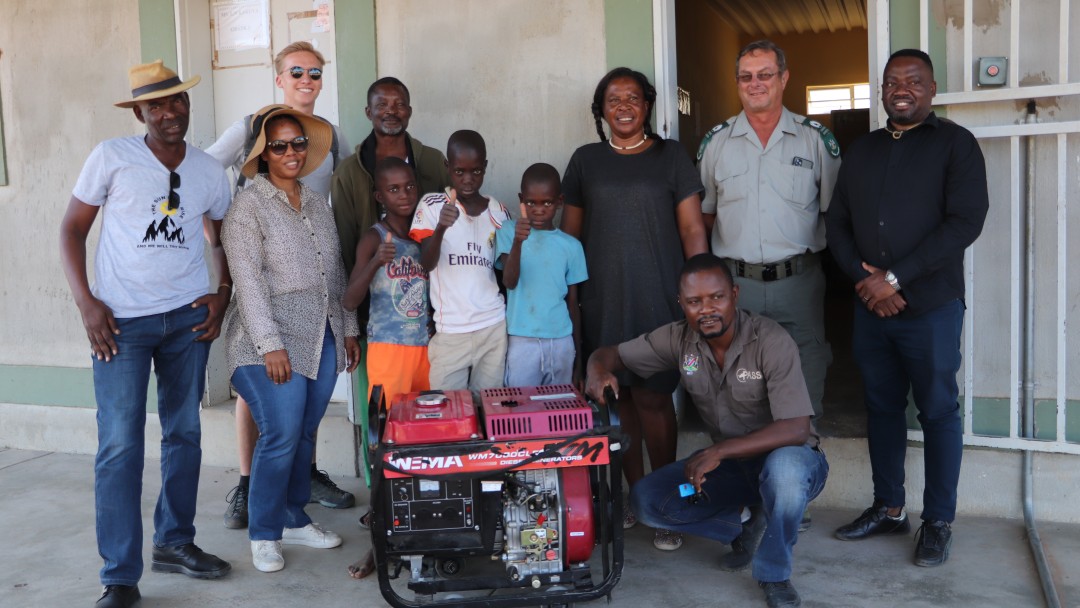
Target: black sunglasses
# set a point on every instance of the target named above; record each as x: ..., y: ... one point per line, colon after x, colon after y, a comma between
x: 298, y: 72
x: 279, y: 146
x: 174, y: 183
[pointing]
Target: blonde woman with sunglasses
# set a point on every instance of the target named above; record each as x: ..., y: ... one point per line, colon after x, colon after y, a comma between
x: 298, y: 70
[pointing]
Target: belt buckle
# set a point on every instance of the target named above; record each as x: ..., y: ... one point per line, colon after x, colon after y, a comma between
x: 768, y: 272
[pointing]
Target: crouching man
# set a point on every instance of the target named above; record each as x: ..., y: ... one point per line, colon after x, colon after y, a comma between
x: 743, y: 373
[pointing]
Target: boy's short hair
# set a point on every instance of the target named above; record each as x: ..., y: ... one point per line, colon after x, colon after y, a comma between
x: 388, y: 81
x: 296, y: 47
x: 386, y: 165
x: 466, y: 140
x: 541, y: 173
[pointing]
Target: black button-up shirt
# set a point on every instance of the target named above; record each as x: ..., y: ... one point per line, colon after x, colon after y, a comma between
x: 910, y: 205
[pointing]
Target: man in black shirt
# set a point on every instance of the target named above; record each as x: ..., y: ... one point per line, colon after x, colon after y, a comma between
x: 910, y: 198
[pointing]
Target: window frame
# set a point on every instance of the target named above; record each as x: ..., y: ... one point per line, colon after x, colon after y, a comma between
x: 851, y: 87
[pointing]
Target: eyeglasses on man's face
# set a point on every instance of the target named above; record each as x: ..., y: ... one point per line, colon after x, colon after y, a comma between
x: 746, y: 78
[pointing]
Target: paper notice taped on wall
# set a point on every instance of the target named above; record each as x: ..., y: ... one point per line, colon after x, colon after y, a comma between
x: 241, y: 24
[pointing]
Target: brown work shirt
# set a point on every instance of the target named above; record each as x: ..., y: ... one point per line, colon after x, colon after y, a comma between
x: 761, y: 380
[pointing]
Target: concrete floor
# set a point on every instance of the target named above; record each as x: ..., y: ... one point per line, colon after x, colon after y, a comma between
x: 46, y: 513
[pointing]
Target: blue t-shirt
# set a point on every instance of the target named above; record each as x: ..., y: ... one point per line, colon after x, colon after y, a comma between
x: 551, y: 260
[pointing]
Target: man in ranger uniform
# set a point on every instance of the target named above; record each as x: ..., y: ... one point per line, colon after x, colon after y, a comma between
x: 768, y: 176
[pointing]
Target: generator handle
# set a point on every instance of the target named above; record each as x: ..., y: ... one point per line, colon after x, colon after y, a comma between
x: 376, y: 416
x: 609, y: 412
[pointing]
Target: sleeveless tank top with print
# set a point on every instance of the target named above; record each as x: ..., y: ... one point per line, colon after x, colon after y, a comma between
x: 399, y: 296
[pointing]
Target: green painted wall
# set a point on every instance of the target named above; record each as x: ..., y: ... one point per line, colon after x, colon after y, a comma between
x: 60, y: 386
x: 904, y: 34
x: 357, y: 65
x: 628, y: 32
x: 157, y: 31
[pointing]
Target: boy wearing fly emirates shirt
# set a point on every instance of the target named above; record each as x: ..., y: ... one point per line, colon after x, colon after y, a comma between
x: 458, y: 250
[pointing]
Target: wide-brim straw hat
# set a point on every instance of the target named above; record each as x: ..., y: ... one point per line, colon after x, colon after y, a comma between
x: 319, y: 133
x: 153, y: 81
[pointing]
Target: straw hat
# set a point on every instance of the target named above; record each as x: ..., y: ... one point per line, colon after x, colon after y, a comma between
x: 154, y: 81
x: 319, y: 133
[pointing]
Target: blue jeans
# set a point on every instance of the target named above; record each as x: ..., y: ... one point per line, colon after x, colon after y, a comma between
x: 120, y: 387
x: 287, y: 416
x: 539, y: 361
x: 922, y: 354
x: 783, y: 482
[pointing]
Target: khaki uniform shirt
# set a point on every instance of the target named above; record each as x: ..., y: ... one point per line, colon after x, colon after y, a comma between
x: 768, y: 200
x: 761, y: 380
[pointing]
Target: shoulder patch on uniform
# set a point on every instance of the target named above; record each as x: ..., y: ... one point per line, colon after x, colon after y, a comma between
x: 708, y: 137
x: 826, y: 136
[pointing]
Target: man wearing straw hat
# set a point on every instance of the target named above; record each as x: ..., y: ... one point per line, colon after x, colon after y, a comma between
x: 150, y: 302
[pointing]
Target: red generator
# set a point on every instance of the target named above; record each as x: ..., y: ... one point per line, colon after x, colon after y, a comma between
x: 501, y: 503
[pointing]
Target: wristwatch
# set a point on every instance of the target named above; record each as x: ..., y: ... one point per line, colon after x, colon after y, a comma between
x: 891, y: 279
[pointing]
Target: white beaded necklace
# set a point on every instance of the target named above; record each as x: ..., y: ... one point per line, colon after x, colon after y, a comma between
x: 644, y: 138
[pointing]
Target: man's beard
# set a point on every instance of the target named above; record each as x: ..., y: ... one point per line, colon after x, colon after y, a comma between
x: 713, y: 332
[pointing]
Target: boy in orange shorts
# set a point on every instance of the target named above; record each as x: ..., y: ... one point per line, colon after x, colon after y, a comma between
x: 388, y: 265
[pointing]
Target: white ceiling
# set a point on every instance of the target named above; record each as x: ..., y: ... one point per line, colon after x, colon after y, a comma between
x: 773, y: 17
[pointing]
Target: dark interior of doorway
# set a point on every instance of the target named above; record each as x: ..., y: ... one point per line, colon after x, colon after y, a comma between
x: 823, y: 47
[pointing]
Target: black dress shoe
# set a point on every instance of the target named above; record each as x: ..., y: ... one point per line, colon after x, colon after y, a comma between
x: 780, y: 595
x: 746, y: 544
x: 118, y: 596
x: 932, y: 543
x: 874, y: 521
x: 189, y: 560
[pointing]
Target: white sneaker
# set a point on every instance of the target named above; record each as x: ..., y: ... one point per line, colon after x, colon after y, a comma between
x: 266, y: 555
x: 311, y: 535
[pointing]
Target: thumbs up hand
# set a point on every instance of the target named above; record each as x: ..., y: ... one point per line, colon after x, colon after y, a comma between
x: 449, y: 213
x: 522, y: 228
x: 385, y: 253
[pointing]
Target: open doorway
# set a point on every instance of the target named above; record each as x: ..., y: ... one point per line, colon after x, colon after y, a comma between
x: 827, y: 55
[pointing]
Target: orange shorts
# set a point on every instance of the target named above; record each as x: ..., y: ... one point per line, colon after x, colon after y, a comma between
x: 398, y: 368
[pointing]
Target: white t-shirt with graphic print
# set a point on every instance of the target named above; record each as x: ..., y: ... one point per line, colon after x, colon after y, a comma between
x: 149, y: 259
x: 464, y: 293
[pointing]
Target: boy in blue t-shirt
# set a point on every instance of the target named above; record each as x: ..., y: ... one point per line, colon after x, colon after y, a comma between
x: 541, y: 269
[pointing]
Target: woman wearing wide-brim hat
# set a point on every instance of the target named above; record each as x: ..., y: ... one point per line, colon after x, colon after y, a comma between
x: 287, y: 335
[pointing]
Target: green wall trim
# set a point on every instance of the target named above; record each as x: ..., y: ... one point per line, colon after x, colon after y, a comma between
x: 58, y: 386
x: 357, y: 65
x: 904, y: 34
x: 628, y: 33
x: 157, y: 31
x: 990, y: 417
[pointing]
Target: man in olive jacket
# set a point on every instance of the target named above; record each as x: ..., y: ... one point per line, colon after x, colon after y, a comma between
x: 351, y: 191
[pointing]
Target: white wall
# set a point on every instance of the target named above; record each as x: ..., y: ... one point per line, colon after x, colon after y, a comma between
x: 523, y: 76
x: 994, y: 262
x: 63, y: 64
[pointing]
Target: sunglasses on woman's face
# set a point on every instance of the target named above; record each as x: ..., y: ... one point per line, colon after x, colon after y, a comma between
x: 279, y: 146
x: 298, y: 72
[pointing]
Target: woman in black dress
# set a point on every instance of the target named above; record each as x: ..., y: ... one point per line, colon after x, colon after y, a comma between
x: 634, y: 201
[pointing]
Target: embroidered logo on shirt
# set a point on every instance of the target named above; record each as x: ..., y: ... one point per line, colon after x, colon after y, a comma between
x: 743, y: 374
x: 690, y: 364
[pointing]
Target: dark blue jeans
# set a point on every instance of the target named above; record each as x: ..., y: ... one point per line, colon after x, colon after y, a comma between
x: 287, y: 416
x: 120, y: 387
x: 920, y: 354
x: 783, y: 482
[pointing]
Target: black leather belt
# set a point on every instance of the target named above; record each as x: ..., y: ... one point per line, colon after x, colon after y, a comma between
x: 796, y: 264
